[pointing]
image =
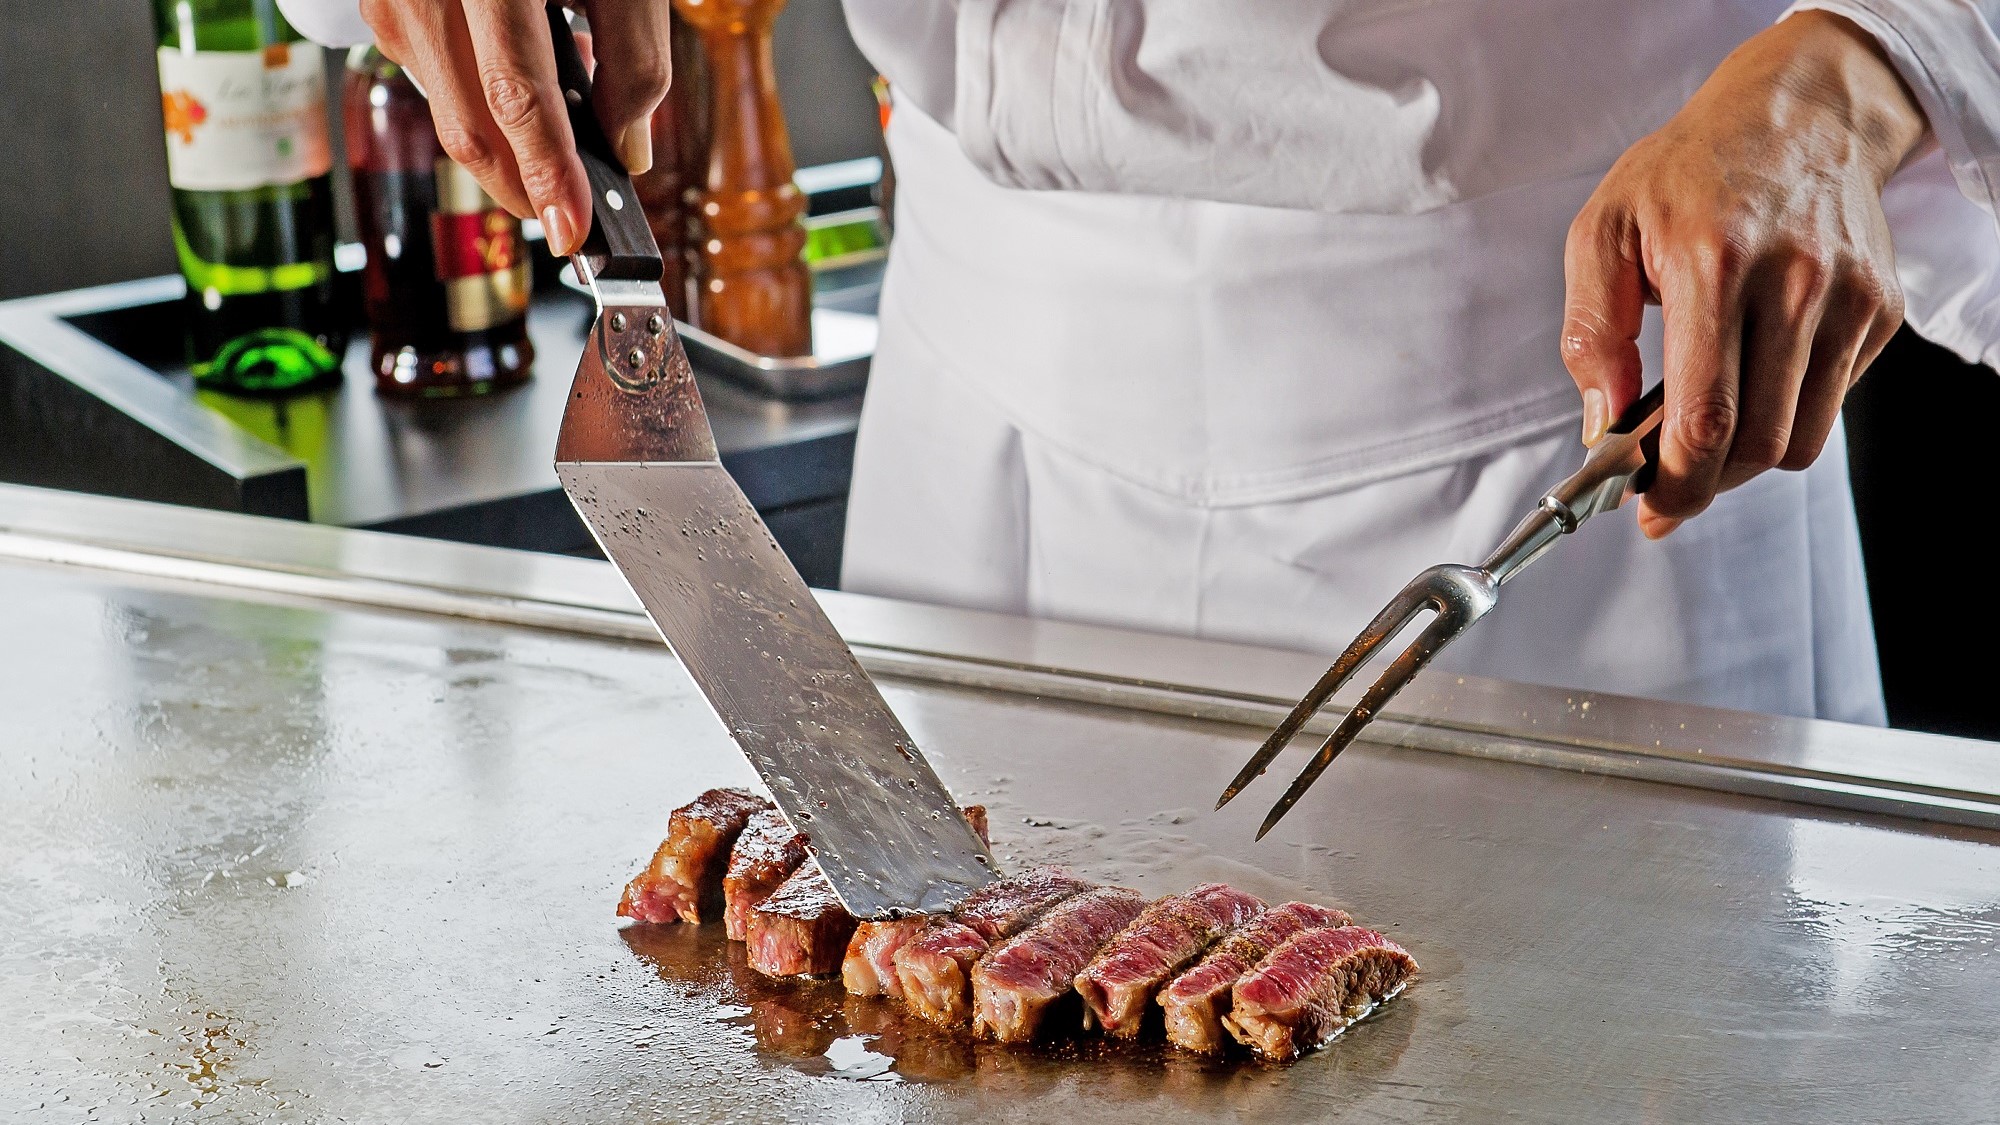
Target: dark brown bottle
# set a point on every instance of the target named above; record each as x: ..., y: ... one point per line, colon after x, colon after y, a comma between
x: 447, y: 281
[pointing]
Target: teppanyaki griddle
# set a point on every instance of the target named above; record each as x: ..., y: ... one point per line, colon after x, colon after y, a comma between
x: 296, y: 861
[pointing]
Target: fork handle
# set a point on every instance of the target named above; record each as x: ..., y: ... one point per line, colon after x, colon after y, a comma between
x: 1619, y: 467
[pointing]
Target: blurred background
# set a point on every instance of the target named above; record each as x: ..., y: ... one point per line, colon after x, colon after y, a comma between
x: 85, y: 181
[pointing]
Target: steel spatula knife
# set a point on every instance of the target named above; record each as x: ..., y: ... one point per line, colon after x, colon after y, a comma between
x: 638, y: 461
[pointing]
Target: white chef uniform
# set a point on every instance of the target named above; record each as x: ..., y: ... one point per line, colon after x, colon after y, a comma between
x: 1227, y: 319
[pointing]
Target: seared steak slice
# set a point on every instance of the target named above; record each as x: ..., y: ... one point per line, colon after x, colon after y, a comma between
x: 1196, y: 1001
x: 869, y: 968
x: 1172, y: 933
x: 801, y: 930
x: 684, y: 881
x: 765, y: 856
x: 1014, y: 986
x: 1312, y: 987
x: 935, y: 967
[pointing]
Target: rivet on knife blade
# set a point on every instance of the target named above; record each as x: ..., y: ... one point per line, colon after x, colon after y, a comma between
x: 618, y: 322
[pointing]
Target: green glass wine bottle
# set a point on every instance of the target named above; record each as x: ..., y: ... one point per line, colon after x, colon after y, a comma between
x: 249, y: 160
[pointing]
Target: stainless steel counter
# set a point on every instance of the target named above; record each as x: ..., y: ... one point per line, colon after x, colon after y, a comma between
x: 306, y: 824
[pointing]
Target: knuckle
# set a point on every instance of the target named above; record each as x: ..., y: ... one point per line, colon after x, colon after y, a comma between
x: 1880, y: 293
x: 648, y: 76
x: 1712, y: 254
x: 541, y: 179
x: 1579, y: 342
x: 510, y: 97
x: 463, y: 146
x: 1801, y: 454
x: 1809, y: 274
x: 1760, y: 451
x: 1706, y: 424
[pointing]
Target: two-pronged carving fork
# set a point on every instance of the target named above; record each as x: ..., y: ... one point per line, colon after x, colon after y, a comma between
x: 1617, y: 468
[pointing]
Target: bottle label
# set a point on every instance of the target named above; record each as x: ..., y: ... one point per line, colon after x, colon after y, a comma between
x: 480, y: 256
x: 244, y: 119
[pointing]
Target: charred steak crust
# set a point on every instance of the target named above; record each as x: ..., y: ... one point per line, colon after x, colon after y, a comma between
x: 934, y: 969
x: 869, y: 968
x: 1310, y: 988
x: 684, y: 880
x: 1168, y: 936
x: 1015, y: 986
x: 1196, y: 1001
x: 801, y: 929
x: 765, y: 856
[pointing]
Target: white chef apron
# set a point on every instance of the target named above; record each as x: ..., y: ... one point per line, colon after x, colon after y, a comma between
x: 1202, y: 418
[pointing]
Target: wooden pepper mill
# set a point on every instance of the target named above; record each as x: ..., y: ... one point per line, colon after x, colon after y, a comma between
x: 755, y: 289
x: 670, y: 190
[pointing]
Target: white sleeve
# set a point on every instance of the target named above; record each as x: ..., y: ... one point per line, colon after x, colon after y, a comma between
x: 330, y: 23
x: 1948, y: 51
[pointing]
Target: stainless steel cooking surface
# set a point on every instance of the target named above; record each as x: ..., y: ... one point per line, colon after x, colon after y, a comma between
x: 286, y: 859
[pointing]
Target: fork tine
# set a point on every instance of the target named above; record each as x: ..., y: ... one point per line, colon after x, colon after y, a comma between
x: 1407, y: 664
x: 1390, y: 621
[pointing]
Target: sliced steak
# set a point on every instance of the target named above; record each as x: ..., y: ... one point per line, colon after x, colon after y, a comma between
x: 869, y: 968
x: 684, y: 881
x: 1015, y: 985
x: 1312, y: 987
x: 1196, y: 1001
x: 1172, y: 934
x: 765, y: 856
x: 801, y: 930
x: 935, y: 967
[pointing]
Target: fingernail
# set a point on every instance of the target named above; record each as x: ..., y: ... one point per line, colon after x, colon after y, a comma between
x: 1596, y: 416
x: 559, y: 231
x: 635, y: 146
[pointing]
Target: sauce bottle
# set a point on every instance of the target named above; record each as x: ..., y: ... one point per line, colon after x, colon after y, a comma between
x: 447, y: 281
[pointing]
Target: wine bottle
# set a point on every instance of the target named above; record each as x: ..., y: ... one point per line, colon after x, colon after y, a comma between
x: 447, y: 280
x: 248, y: 158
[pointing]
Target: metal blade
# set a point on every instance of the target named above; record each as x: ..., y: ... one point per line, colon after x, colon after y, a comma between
x: 842, y: 768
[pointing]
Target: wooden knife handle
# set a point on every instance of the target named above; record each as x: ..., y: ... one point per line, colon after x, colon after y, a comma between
x: 619, y: 245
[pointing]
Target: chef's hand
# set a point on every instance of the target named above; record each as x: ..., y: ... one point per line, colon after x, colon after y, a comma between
x: 1754, y: 219
x: 490, y: 72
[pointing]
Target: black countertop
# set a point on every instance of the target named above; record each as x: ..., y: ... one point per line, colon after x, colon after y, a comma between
x: 95, y: 396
